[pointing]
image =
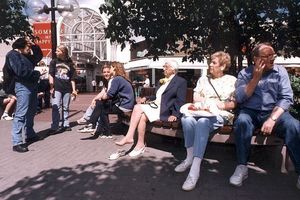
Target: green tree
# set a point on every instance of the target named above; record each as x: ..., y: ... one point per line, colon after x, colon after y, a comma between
x: 295, y: 83
x: 13, y: 21
x: 205, y: 26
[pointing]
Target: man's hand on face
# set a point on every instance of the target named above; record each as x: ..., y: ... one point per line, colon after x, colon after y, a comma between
x: 258, y: 69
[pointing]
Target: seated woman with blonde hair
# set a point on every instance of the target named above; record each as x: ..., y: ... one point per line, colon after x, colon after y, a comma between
x: 164, y: 106
x: 213, y: 93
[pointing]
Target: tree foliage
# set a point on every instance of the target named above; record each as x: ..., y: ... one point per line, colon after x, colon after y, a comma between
x: 205, y: 26
x: 295, y: 83
x: 13, y: 21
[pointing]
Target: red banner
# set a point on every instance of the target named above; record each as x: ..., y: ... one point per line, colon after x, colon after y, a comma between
x: 43, y: 31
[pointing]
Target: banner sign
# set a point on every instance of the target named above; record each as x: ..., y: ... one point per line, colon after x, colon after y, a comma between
x: 42, y: 30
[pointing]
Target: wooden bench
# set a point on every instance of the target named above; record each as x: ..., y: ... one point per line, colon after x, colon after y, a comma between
x: 222, y: 135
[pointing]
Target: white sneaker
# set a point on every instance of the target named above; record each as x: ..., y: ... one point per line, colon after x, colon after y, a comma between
x: 81, y: 121
x: 298, y: 183
x: 6, y: 117
x: 190, y: 183
x: 86, y: 129
x: 184, y: 165
x: 240, y: 174
x: 109, y: 137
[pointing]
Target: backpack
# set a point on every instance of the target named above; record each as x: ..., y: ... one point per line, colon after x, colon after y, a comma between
x: 8, y: 83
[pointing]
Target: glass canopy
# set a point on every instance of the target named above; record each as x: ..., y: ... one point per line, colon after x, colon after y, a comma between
x: 84, y: 36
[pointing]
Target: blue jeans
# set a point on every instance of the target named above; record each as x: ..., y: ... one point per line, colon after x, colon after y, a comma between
x: 60, y: 100
x: 285, y: 127
x: 88, y: 113
x: 196, y: 132
x: 25, y: 112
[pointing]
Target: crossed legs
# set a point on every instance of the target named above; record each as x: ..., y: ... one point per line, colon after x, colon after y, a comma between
x: 138, y: 121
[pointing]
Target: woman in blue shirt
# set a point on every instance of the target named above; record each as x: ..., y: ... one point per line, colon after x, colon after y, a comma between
x: 119, y: 98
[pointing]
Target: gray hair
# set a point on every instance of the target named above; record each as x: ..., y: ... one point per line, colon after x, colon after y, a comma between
x: 173, y: 64
x: 257, y: 48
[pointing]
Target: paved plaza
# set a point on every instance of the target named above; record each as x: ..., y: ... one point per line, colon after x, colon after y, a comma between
x: 71, y: 166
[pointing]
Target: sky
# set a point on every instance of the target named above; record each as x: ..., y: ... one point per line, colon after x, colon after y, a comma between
x: 84, y: 3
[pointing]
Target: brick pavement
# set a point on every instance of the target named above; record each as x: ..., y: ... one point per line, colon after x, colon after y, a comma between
x: 64, y: 166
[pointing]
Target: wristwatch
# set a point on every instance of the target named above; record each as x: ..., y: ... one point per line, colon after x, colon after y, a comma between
x: 273, y: 118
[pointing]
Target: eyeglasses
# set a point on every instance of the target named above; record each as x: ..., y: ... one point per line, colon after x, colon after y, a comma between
x: 269, y: 57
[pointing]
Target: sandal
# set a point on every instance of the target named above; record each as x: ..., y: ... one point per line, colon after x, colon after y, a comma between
x: 117, y: 155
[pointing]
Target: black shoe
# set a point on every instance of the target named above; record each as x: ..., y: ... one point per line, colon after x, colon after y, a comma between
x: 53, y: 131
x: 32, y: 139
x: 63, y: 129
x: 67, y: 128
x: 93, y: 137
x: 20, y: 148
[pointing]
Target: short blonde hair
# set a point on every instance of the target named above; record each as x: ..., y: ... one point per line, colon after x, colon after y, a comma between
x: 224, y: 58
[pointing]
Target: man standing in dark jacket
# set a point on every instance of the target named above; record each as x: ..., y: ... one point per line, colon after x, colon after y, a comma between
x: 20, y: 63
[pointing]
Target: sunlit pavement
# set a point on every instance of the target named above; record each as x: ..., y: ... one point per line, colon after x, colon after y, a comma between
x: 67, y: 166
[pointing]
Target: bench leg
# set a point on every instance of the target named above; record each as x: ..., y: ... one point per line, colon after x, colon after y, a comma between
x: 284, y: 157
x: 286, y: 164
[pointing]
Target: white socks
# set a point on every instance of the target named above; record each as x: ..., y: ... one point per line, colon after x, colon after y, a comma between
x: 189, y: 155
x: 195, y: 161
x: 195, y: 168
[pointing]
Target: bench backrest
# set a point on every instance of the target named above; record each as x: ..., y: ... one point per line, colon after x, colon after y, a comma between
x: 151, y: 91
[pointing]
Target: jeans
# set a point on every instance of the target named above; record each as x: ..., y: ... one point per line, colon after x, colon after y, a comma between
x: 286, y: 127
x: 88, y: 113
x: 25, y: 112
x: 60, y: 100
x: 100, y: 116
x: 196, y: 132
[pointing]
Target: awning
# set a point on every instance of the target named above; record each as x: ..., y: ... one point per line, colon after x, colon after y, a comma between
x: 287, y: 62
x: 158, y: 64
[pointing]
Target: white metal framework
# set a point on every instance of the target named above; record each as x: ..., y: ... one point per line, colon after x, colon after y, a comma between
x: 84, y: 36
